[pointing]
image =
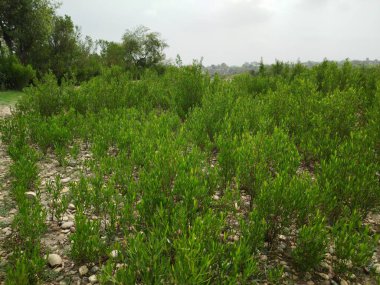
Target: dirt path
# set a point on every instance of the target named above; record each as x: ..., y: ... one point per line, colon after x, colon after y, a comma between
x: 5, y: 110
x: 7, y: 206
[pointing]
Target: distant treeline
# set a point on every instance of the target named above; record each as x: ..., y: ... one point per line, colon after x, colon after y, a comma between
x: 254, y: 67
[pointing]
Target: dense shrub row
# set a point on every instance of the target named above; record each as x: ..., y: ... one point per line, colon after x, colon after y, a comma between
x: 302, y: 145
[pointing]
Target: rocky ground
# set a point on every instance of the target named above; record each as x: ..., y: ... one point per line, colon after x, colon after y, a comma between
x: 56, y: 241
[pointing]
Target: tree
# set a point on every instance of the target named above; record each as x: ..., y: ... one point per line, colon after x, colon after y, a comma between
x: 139, y: 48
x: 64, y: 48
x: 143, y: 48
x: 25, y: 26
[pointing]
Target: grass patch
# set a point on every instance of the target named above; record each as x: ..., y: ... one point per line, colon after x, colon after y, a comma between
x: 10, y: 97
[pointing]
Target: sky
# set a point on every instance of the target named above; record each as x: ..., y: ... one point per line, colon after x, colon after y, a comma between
x: 239, y: 31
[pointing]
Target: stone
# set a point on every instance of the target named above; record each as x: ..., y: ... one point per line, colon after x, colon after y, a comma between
x: 215, y: 197
x: 263, y: 257
x: 324, y: 276
x: 93, y: 279
x: 31, y: 195
x: 377, y: 268
x: 282, y: 237
x: 65, y: 190
x: 65, y: 180
x: 54, y: 260
x: 71, y: 207
x: 343, y: 282
x: 13, y: 211
x: 83, y: 270
x: 114, y: 253
x: 310, y: 283
x: 94, y: 269
x: 67, y: 225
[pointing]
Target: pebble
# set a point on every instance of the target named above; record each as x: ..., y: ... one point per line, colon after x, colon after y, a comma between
x: 343, y: 282
x: 95, y: 269
x: 65, y: 180
x: 65, y: 190
x: 327, y: 266
x: 282, y: 237
x: 216, y: 197
x: 71, y: 207
x: 114, y: 253
x: 7, y: 231
x: 13, y: 211
x: 263, y: 257
x: 377, y: 268
x: 67, y: 225
x: 31, y: 195
x: 324, y: 276
x: 83, y: 270
x: 310, y: 283
x: 93, y: 279
x: 54, y: 260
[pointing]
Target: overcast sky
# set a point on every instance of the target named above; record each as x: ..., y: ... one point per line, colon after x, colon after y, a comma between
x: 238, y: 31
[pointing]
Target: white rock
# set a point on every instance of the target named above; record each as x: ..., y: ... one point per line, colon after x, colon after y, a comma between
x: 343, y: 282
x: 114, y: 253
x: 67, y: 225
x: 13, y: 211
x: 54, y: 260
x: 83, y: 270
x: 93, y: 279
x: 65, y: 190
x: 263, y: 257
x: 71, y: 206
x: 324, y: 276
x: 282, y: 237
x: 65, y: 180
x: 377, y: 268
x: 31, y: 195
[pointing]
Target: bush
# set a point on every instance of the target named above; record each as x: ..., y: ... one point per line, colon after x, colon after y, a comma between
x: 311, y: 244
x: 14, y: 75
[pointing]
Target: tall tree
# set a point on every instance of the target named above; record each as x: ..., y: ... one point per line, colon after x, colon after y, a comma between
x: 143, y: 48
x: 25, y: 26
x: 64, y: 48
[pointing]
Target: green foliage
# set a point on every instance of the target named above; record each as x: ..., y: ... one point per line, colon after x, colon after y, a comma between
x: 87, y: 244
x: 27, y: 266
x: 354, y: 243
x: 311, y: 244
x: 192, y: 178
x: 14, y: 75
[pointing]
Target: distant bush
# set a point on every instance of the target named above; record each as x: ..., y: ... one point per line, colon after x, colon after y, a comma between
x: 14, y: 75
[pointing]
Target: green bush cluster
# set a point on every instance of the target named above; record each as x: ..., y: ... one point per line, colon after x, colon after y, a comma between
x: 192, y: 175
x: 14, y: 75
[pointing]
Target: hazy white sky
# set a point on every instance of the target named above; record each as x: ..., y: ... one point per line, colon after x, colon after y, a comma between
x: 238, y: 31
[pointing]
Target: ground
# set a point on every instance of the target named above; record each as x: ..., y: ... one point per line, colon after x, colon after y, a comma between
x: 9, y: 97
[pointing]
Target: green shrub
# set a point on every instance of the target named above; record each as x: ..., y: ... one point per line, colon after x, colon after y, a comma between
x: 311, y: 244
x: 14, y: 75
x: 354, y: 243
